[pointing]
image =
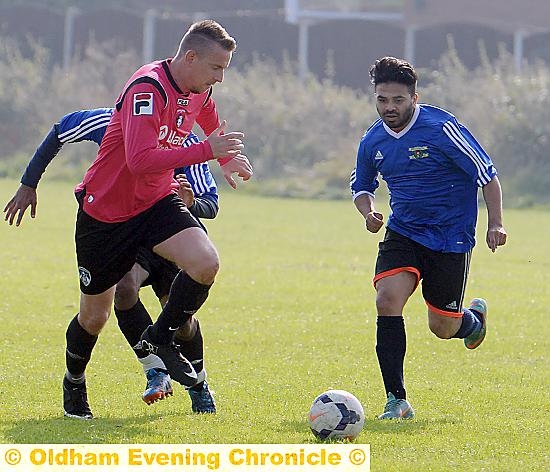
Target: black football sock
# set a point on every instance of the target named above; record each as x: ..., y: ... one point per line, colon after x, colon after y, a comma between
x: 80, y: 344
x: 192, y: 348
x: 391, y: 344
x: 133, y: 323
x: 197, y: 387
x: 470, y: 322
x: 186, y: 297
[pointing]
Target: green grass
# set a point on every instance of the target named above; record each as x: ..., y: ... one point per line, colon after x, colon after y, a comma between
x: 291, y: 315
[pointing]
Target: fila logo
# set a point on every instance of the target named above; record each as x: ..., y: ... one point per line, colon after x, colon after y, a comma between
x: 378, y: 155
x: 452, y: 305
x: 183, y: 101
x: 143, y: 104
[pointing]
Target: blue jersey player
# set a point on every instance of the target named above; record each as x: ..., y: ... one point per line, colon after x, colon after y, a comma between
x: 433, y: 168
x: 198, y: 190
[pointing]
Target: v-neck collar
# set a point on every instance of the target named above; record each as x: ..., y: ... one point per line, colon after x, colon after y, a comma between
x: 406, y: 128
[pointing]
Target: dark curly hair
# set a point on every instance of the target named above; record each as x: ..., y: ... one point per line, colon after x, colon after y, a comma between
x: 391, y: 69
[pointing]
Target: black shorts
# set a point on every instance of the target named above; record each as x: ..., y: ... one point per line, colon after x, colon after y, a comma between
x: 443, y: 274
x: 106, y: 251
x: 161, y: 271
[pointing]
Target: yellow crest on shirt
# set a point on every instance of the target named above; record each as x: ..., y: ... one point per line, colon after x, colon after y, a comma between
x: 418, y: 152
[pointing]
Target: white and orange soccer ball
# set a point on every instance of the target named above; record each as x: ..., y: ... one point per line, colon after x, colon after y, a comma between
x: 336, y: 414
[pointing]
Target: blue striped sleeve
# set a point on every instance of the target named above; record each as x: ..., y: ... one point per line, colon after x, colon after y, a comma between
x: 43, y: 155
x: 84, y: 125
x: 467, y: 153
x: 364, y: 178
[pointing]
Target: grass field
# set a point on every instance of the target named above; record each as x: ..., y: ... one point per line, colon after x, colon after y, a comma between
x: 291, y: 315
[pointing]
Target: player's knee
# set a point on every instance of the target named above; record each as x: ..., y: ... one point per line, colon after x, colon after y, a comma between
x: 206, y: 270
x: 93, y: 322
x: 126, y: 294
x: 388, y: 303
x: 211, y: 270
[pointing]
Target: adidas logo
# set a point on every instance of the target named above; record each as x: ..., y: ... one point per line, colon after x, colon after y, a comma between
x: 378, y: 155
x: 452, y: 305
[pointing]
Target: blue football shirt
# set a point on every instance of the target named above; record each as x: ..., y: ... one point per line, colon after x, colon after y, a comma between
x: 433, y: 169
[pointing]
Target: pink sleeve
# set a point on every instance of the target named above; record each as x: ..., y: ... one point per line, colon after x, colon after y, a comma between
x: 140, y: 122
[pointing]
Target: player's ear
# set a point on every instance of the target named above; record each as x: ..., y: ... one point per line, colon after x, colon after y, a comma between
x: 190, y: 55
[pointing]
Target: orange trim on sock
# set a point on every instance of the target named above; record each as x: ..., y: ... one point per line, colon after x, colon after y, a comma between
x: 398, y: 270
x: 450, y: 314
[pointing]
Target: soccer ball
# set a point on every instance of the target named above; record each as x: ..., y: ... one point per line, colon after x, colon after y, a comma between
x: 336, y: 414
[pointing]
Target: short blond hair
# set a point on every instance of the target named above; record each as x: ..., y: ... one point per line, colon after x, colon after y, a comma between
x: 202, y: 34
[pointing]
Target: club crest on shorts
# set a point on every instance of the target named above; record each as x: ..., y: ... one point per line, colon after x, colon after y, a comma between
x: 85, y: 276
x: 143, y: 104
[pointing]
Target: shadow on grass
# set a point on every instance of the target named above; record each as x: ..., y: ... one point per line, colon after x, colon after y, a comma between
x: 374, y: 427
x: 413, y: 426
x: 61, y: 430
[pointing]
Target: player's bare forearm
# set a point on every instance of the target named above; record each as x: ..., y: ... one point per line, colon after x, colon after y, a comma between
x: 364, y: 204
x: 373, y: 219
x: 492, y: 194
x: 496, y: 234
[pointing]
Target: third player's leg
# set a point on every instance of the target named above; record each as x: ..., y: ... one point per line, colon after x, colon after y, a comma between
x: 127, y: 289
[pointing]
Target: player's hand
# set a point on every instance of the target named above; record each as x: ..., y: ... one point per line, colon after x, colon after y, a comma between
x: 374, y: 221
x: 225, y: 144
x: 185, y: 191
x: 239, y: 165
x: 17, y: 206
x: 496, y: 236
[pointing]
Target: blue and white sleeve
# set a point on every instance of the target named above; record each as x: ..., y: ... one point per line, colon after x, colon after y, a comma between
x: 43, y: 155
x: 364, y: 178
x: 464, y: 150
x: 205, y: 190
x: 85, y: 125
